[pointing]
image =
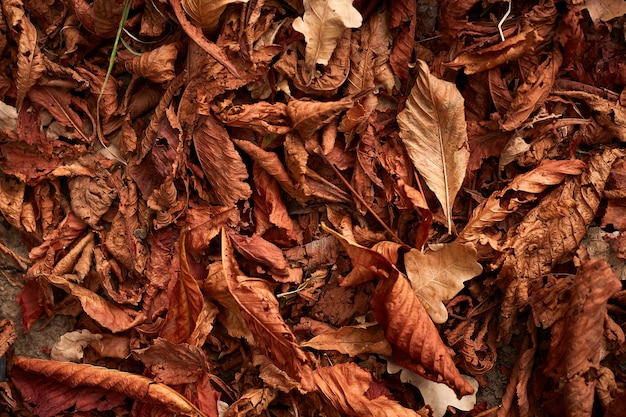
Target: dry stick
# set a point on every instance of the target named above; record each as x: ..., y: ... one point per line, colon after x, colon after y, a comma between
x: 395, y: 237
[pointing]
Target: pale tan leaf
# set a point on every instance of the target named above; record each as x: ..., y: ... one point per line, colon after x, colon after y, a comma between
x: 322, y: 25
x: 70, y: 346
x: 133, y: 386
x: 8, y: 116
x: 604, y: 10
x: 207, y: 13
x: 438, y: 275
x: 353, y: 341
x: 433, y: 129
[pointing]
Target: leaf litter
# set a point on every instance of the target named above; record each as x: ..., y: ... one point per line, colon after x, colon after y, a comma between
x: 272, y: 207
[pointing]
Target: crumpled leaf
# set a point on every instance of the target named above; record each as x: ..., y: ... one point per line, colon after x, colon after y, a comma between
x: 30, y: 65
x: 133, y: 386
x: 604, y: 10
x: 260, y: 250
x: 70, y: 346
x: 173, y: 364
x: 91, y: 198
x: 496, y: 208
x: 549, y: 232
x: 437, y: 396
x: 207, y: 13
x: 433, y: 130
x: 308, y: 116
x: 344, y: 386
x: 156, y: 65
x: 259, y: 308
x: 322, y: 25
x: 8, y: 116
x: 220, y: 162
x: 438, y: 275
x: 186, y: 302
x: 12, y: 199
x: 577, y: 339
x: 108, y: 314
x: 415, y: 339
x: 352, y: 340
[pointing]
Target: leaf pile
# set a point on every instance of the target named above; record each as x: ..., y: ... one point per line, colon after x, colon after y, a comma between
x: 316, y: 207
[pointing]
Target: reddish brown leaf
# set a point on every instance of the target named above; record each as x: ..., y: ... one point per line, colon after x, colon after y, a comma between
x: 185, y: 303
x: 413, y: 335
x: 257, y: 249
x: 345, y: 385
x: 173, y: 364
x: 259, y: 308
x: 130, y: 385
x: 352, y: 340
x: 156, y: 65
x: 220, y: 162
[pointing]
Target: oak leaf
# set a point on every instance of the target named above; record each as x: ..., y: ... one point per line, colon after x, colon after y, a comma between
x: 436, y: 396
x: 433, y: 130
x: 438, y: 275
x: 322, y: 24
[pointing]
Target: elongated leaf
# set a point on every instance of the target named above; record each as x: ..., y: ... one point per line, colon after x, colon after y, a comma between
x: 433, y: 129
x: 415, y: 339
x: 133, y: 386
x: 207, y: 12
x: 352, y: 340
x: 260, y: 310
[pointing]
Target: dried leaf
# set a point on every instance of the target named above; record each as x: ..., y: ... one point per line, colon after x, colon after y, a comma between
x: 106, y: 313
x: 30, y: 66
x: 604, y: 10
x: 322, y: 25
x: 432, y: 127
x: 259, y: 308
x: 352, y: 340
x: 220, y: 162
x: 438, y: 275
x: 173, y: 364
x: 257, y: 249
x: 577, y: 339
x: 415, y: 339
x: 185, y: 303
x: 70, y: 346
x: 308, y: 116
x: 91, y: 198
x: 345, y: 385
x: 207, y: 13
x: 11, y: 200
x: 437, y: 396
x: 133, y: 386
x: 549, y: 232
x: 156, y: 65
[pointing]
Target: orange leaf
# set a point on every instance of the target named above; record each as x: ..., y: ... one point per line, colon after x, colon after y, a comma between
x: 344, y: 386
x: 133, y: 386
x: 352, y: 340
x: 413, y: 335
x: 260, y: 310
x: 186, y: 302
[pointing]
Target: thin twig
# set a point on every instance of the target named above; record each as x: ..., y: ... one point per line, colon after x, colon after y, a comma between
x: 395, y: 237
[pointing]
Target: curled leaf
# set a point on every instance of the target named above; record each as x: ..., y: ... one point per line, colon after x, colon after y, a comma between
x: 207, y: 13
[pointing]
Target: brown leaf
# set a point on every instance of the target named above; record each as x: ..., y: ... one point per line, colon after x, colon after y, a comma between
x: 173, y: 364
x: 262, y: 117
x: 207, y: 14
x: 220, y: 162
x: 322, y: 25
x: 549, y: 232
x: 133, y: 386
x: 259, y: 308
x: 352, y: 340
x: 438, y: 275
x: 185, y: 303
x: 156, y: 65
x: 91, y: 198
x: 11, y: 200
x: 30, y: 66
x: 345, y: 385
x: 7, y: 335
x: 432, y: 127
x: 577, y: 339
x: 257, y: 249
x: 106, y: 313
x: 308, y: 116
x: 496, y: 208
x: 415, y: 339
